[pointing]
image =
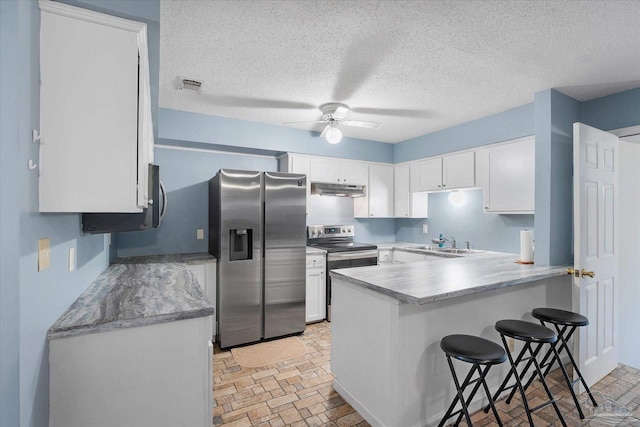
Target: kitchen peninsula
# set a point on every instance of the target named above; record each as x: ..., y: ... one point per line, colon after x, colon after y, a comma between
x: 388, y: 321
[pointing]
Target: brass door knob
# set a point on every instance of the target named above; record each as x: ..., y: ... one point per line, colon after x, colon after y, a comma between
x: 573, y: 272
x: 587, y: 273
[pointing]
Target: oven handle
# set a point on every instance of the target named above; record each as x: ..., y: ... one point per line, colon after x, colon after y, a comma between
x: 335, y: 256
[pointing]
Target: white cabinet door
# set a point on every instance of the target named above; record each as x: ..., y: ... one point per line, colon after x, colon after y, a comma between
x: 299, y: 164
x: 316, y: 294
x: 354, y: 172
x: 406, y: 203
x: 325, y: 170
x: 380, y: 191
x: 90, y: 93
x: 508, y: 177
x: 426, y: 175
x: 458, y: 170
x: 295, y: 163
x: 401, y: 256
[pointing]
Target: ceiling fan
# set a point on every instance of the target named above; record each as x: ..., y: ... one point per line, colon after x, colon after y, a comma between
x: 334, y: 114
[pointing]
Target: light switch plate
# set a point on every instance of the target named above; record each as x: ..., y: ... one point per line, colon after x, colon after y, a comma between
x: 44, y: 253
x: 200, y: 233
x: 425, y: 229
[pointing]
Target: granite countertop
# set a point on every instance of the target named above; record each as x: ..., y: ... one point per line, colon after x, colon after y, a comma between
x: 134, y: 294
x: 191, y: 259
x: 440, y: 278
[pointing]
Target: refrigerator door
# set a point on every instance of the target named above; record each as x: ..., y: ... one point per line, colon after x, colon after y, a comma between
x: 285, y: 253
x: 239, y: 257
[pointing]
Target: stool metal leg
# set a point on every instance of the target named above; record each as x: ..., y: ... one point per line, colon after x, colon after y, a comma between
x: 546, y: 387
x: 531, y: 359
x: 564, y: 337
x: 460, y: 396
x: 517, y: 377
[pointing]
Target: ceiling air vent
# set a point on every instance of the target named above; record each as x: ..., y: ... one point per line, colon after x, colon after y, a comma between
x: 190, y: 85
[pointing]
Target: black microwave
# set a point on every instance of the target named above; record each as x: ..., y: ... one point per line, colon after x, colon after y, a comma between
x: 151, y: 217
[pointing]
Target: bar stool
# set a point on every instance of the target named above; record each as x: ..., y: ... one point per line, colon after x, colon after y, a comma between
x: 565, y: 323
x: 534, y: 336
x: 477, y: 351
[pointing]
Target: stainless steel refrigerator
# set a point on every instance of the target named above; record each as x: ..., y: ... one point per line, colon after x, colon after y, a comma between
x: 257, y: 232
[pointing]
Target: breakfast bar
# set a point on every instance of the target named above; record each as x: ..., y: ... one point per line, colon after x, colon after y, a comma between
x: 388, y: 321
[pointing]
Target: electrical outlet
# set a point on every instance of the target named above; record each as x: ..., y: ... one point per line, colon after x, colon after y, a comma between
x: 200, y: 233
x: 72, y: 259
x: 425, y: 229
x: 44, y: 253
x: 511, y: 344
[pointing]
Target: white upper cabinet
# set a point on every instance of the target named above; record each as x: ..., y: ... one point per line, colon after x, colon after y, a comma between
x: 378, y: 203
x: 332, y: 170
x: 406, y: 203
x: 506, y: 172
x: 95, y: 112
x: 458, y: 170
x: 448, y: 172
x: 426, y: 175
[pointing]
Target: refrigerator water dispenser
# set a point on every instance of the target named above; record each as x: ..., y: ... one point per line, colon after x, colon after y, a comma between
x: 240, y: 244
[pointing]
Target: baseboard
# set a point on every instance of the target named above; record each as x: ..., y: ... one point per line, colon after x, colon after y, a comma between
x: 355, y: 404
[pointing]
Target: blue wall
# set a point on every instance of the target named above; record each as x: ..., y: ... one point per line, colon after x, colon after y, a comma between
x: 30, y: 301
x: 9, y: 217
x: 185, y: 174
x: 555, y: 115
x: 466, y: 223
x: 250, y: 137
x: 510, y: 124
x: 616, y: 111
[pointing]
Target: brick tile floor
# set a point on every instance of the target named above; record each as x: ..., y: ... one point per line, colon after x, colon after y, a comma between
x: 299, y: 392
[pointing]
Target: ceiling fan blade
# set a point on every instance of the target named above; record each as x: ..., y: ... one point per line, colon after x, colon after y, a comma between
x: 361, y: 124
x: 399, y: 112
x: 324, y: 131
x: 341, y: 113
x: 312, y: 121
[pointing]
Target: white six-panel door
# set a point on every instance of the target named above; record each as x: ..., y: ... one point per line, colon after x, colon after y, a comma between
x: 595, y: 206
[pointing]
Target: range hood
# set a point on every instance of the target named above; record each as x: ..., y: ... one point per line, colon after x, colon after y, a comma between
x: 338, y: 190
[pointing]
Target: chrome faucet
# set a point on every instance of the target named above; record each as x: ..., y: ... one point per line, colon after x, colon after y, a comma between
x: 451, y: 240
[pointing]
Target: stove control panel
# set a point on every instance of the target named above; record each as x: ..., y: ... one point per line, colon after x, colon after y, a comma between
x: 324, y: 231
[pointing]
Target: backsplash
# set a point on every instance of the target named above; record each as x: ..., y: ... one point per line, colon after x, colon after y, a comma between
x: 466, y: 223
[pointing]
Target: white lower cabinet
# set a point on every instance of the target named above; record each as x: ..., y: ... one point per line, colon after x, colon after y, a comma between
x: 400, y: 256
x: 316, y: 303
x: 155, y: 375
x: 205, y: 273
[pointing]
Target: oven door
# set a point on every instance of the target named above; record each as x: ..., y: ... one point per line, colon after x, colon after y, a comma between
x: 336, y: 260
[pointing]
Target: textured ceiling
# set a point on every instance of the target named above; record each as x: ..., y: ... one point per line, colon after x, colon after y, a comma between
x: 414, y: 66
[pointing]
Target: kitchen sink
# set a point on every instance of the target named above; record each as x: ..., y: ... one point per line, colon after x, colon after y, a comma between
x: 459, y: 251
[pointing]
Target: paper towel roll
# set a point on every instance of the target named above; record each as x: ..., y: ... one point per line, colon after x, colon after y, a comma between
x: 526, y: 246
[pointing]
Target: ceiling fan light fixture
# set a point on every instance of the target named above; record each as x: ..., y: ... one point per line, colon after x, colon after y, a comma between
x: 333, y: 134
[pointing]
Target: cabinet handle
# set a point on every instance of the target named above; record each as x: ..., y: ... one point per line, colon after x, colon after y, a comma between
x: 370, y: 214
x: 444, y: 185
x: 439, y: 185
x: 486, y: 208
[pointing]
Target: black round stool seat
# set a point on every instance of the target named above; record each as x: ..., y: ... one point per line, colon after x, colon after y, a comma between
x: 472, y: 349
x: 526, y: 331
x: 560, y: 317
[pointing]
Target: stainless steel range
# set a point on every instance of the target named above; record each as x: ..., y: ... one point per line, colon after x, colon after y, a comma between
x: 342, y: 251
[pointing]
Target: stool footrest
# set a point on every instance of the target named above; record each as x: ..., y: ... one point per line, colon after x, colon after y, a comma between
x: 576, y: 381
x: 543, y: 405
